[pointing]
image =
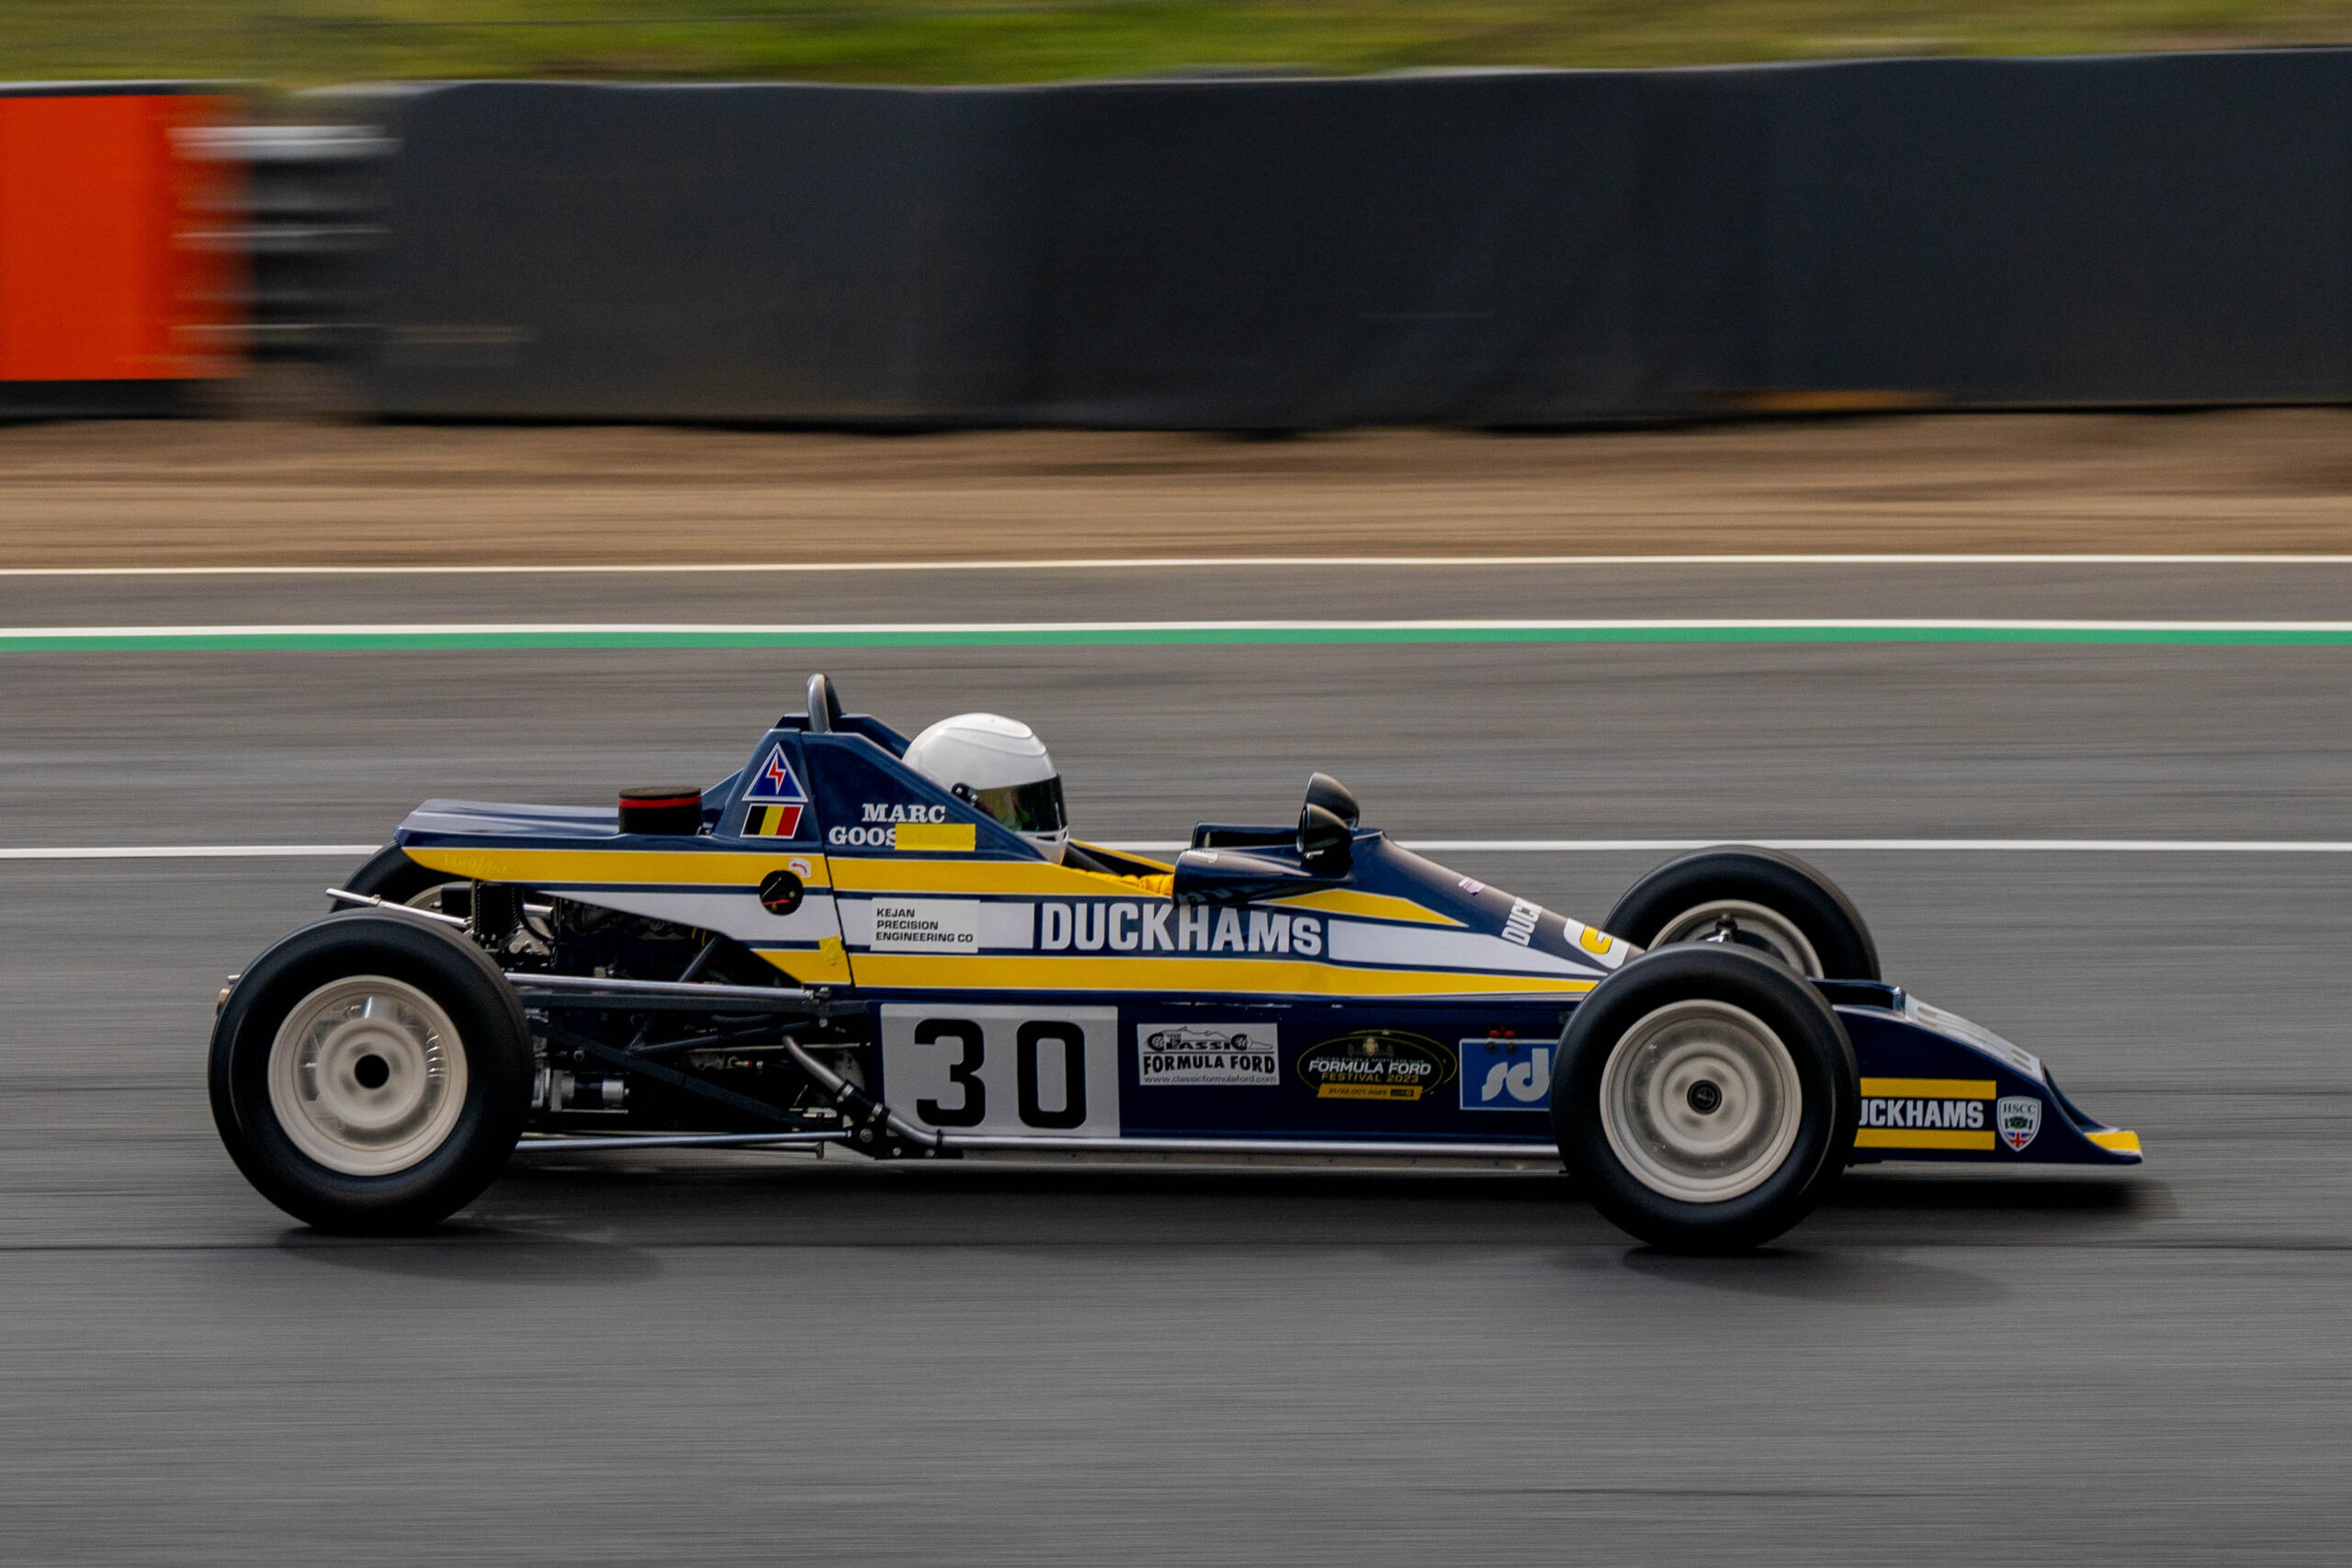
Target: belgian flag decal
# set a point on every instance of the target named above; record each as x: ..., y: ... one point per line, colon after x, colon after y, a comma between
x: 772, y: 822
x: 775, y: 799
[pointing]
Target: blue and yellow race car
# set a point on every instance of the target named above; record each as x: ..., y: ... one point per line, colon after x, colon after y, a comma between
x: 841, y: 944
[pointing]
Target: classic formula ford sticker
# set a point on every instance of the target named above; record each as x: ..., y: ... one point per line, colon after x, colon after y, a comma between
x: 1376, y: 1064
x: 1198, y: 1054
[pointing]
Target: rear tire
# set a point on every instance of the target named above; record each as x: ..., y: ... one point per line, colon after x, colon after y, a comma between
x: 370, y: 1073
x: 1706, y: 1097
x: 396, y: 879
x: 1776, y: 903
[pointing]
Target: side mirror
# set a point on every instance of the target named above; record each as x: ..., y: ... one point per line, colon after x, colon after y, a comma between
x: 1333, y: 796
x: 1325, y: 842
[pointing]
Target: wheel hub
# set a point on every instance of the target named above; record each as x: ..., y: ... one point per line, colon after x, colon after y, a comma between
x: 368, y: 1075
x: 1741, y: 923
x: 1700, y: 1102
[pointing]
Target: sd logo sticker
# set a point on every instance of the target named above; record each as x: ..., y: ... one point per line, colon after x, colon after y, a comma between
x: 1507, y: 1075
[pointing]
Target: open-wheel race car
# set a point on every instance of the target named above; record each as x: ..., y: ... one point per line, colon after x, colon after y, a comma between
x: 895, y: 947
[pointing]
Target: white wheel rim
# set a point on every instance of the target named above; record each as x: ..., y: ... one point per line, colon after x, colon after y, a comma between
x: 368, y: 1075
x: 1775, y: 930
x: 1700, y: 1102
x: 431, y: 897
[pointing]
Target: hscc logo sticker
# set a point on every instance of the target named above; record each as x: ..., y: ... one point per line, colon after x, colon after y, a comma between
x: 1206, y: 1054
x: 2019, y: 1117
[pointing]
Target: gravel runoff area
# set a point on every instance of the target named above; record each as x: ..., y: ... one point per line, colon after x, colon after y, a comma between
x: 307, y: 489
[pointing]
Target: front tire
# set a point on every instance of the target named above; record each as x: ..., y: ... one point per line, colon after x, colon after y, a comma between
x: 1707, y: 1095
x: 370, y: 1073
x: 1761, y: 900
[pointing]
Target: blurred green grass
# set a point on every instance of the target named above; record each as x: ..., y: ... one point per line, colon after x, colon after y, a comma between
x: 298, y: 42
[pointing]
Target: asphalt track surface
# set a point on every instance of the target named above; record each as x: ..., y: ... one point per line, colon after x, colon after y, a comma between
x: 724, y: 1358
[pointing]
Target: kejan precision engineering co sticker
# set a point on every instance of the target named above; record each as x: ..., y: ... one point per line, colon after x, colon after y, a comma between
x: 926, y: 925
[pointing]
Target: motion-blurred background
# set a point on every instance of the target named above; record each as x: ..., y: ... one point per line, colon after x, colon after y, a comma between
x: 1241, y: 218
x: 389, y: 316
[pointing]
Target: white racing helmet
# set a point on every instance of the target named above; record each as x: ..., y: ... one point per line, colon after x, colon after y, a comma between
x: 1001, y: 766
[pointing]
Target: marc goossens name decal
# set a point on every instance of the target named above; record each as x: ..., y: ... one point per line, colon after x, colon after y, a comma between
x: 903, y: 826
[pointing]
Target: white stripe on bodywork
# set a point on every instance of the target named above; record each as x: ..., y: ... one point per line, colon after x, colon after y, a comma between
x: 1419, y: 947
x: 1009, y: 924
x: 738, y: 913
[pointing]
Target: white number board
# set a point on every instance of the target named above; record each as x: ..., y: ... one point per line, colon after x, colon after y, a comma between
x: 1042, y: 1072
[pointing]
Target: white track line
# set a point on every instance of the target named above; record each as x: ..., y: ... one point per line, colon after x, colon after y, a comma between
x: 1453, y: 846
x: 1185, y: 563
x: 998, y: 628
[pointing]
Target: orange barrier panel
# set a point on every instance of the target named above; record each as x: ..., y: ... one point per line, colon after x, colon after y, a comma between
x: 101, y: 276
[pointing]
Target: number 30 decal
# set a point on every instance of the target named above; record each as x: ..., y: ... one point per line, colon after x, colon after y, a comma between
x: 1001, y: 1070
x: 963, y: 1072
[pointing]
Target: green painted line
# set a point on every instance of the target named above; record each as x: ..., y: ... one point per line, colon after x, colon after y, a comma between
x: 460, y: 639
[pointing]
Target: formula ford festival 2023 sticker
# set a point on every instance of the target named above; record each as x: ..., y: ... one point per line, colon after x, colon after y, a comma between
x: 1377, y: 1064
x: 1198, y: 1054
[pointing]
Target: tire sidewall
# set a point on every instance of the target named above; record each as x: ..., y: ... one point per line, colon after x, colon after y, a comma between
x: 492, y: 1031
x: 391, y: 876
x: 1817, y: 1042
x: 1816, y: 906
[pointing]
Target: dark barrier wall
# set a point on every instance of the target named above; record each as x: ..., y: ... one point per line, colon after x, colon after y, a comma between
x: 2150, y: 229
x: 1494, y: 248
x: 708, y: 253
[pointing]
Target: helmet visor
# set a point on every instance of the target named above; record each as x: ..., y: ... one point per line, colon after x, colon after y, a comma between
x: 1025, y: 809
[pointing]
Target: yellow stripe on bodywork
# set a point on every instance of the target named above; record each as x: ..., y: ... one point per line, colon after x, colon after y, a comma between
x: 854, y: 874
x: 860, y: 874
x: 1159, y: 865
x: 827, y: 965
x: 1920, y: 1138
x: 1374, y: 906
x: 2116, y: 1140
x: 955, y: 972
x: 1927, y: 1089
x: 643, y: 867
x: 961, y: 836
